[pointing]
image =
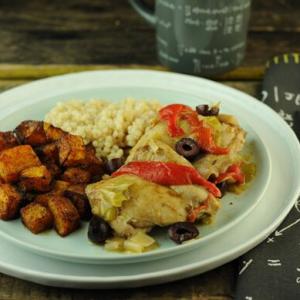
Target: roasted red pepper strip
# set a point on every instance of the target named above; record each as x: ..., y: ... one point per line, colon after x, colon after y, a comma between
x: 234, y: 173
x: 194, y: 213
x: 168, y: 173
x: 173, y: 113
x: 192, y: 217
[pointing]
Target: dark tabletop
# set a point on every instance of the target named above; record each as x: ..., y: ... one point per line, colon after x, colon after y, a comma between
x: 40, y: 38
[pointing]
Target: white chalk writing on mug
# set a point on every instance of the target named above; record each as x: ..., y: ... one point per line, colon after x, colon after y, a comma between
x: 166, y: 4
x: 165, y: 24
x: 203, y: 38
x: 162, y: 41
x: 232, y: 22
x: 168, y: 57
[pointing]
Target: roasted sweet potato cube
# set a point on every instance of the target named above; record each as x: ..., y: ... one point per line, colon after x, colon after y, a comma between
x: 66, y: 217
x: 48, y: 152
x: 36, y: 179
x: 15, y: 160
x: 36, y: 217
x: 76, y: 193
x: 31, y: 132
x: 53, y: 133
x: 53, y: 168
x: 96, y: 171
x: 71, y: 150
x: 7, y: 140
x: 78, y: 189
x: 58, y: 189
x: 60, y: 186
x: 92, y: 163
x: 27, y: 198
x: 90, y: 149
x: 43, y: 199
x: 10, y: 201
x: 76, y: 175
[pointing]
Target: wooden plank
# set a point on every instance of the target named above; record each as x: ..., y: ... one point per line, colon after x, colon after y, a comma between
x: 110, y: 32
x: 30, y: 72
x: 7, y: 84
x: 214, y: 285
x: 275, y: 15
x: 250, y: 87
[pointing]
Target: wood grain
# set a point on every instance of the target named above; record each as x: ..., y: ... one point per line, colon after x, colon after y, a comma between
x: 30, y: 72
x: 214, y: 285
x: 110, y: 32
x: 275, y: 16
x: 250, y: 87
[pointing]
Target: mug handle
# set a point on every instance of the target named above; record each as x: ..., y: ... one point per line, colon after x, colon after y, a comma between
x: 144, y: 11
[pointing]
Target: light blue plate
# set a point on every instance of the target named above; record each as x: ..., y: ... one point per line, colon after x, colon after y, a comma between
x: 34, y: 100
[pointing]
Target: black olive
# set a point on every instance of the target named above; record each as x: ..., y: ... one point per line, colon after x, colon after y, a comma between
x: 187, y: 147
x: 214, y: 111
x: 182, y: 231
x: 204, y: 110
x: 113, y: 165
x: 222, y: 186
x: 212, y: 178
x: 99, y: 231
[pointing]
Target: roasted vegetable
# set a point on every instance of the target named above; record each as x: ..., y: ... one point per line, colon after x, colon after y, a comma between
x: 7, y: 140
x: 76, y: 175
x: 174, y: 113
x: 10, y: 201
x: 36, y: 217
x: 233, y: 174
x: 76, y: 193
x: 43, y: 199
x: 27, y: 198
x: 66, y: 217
x: 60, y: 186
x: 53, y: 168
x: 167, y: 173
x: 58, y: 189
x: 31, y: 133
x: 92, y: 163
x: 72, y: 151
x: 15, y: 160
x: 36, y: 179
x: 53, y: 133
x: 48, y: 153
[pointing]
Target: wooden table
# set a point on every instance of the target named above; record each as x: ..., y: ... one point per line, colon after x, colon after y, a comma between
x: 41, y: 38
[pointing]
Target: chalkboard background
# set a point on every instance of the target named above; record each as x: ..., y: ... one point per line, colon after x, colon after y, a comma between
x: 272, y: 269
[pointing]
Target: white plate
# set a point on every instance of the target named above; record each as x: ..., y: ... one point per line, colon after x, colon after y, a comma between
x: 282, y: 191
x: 279, y: 197
x: 32, y: 101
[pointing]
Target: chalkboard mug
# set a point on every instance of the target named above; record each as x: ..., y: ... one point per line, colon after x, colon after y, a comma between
x: 204, y: 37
